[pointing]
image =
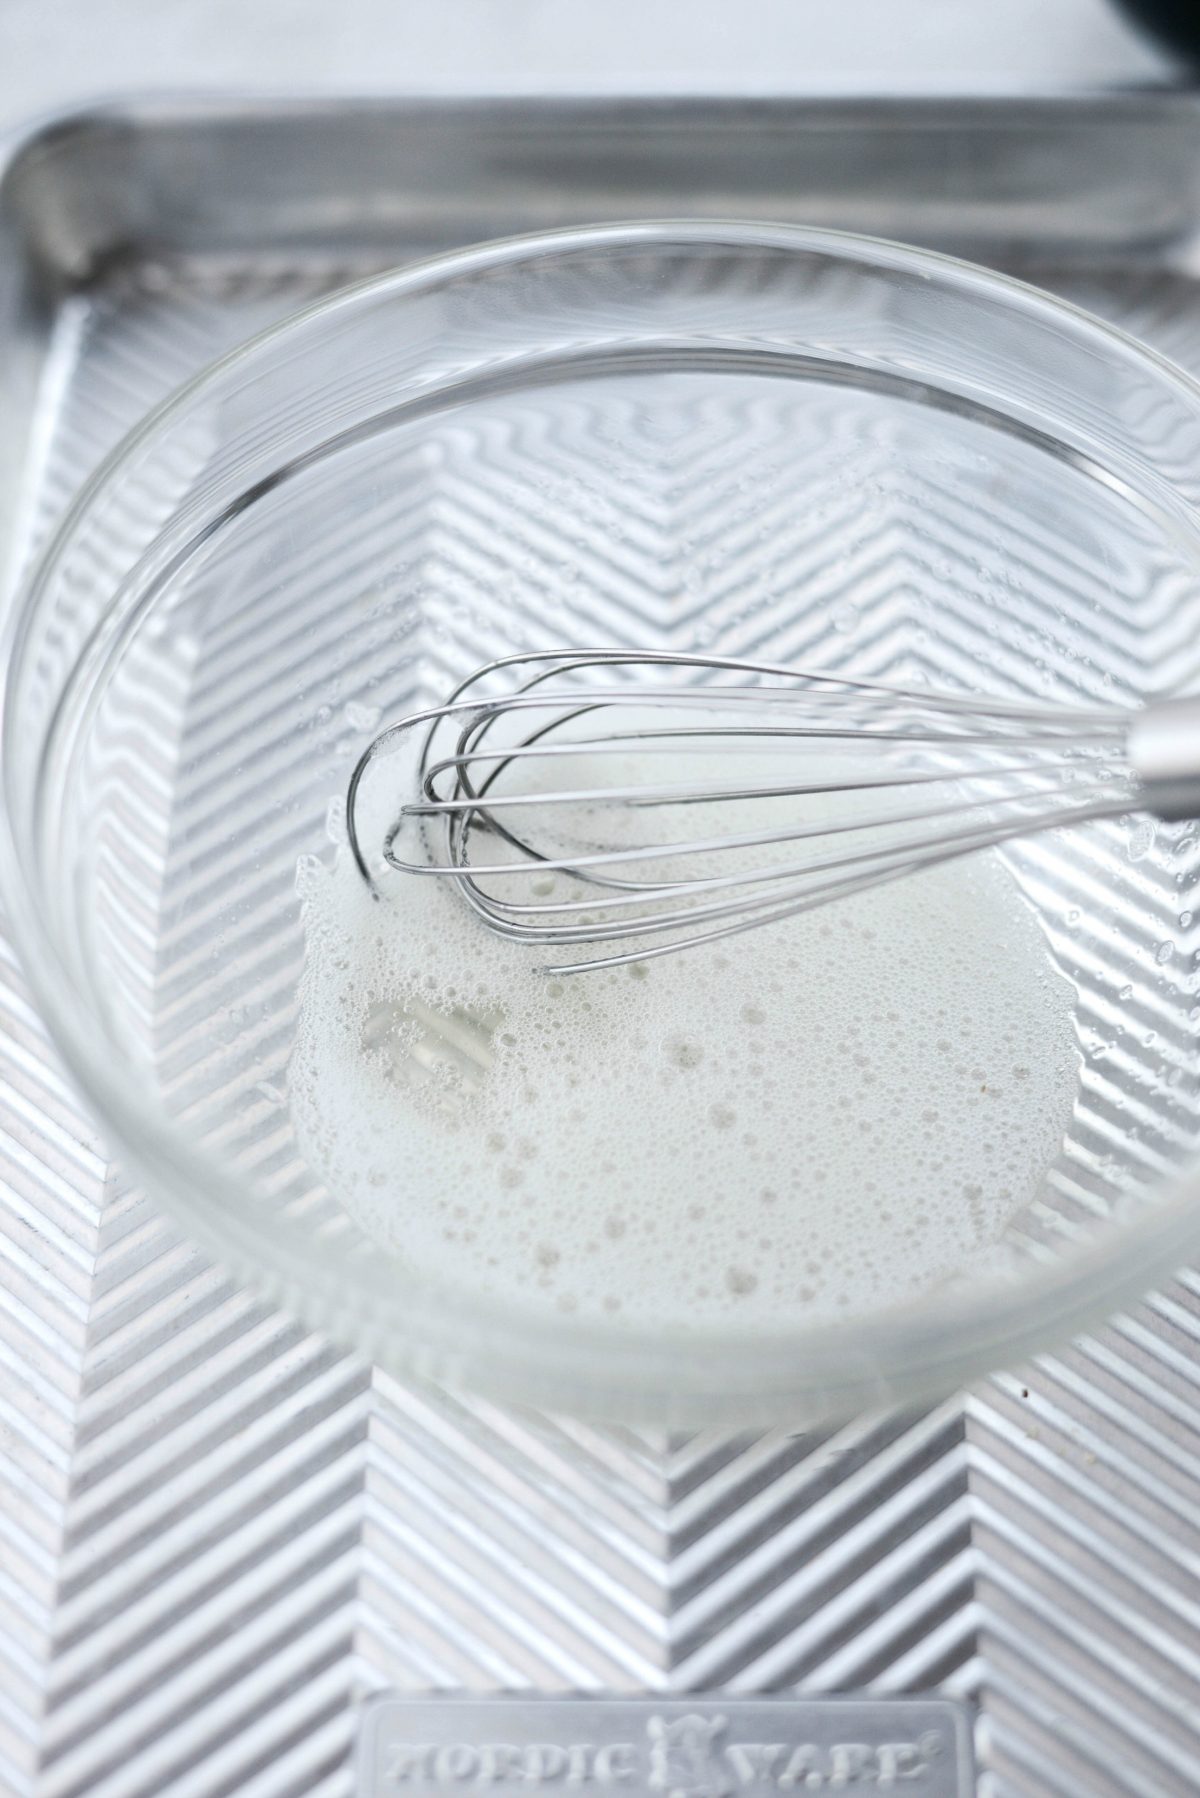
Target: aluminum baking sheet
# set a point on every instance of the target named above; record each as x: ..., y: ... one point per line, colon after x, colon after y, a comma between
x: 220, y: 1534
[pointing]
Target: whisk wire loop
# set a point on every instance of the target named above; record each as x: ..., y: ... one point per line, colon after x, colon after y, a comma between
x: 561, y: 761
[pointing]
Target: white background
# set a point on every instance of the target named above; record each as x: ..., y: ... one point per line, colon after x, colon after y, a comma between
x: 57, y: 52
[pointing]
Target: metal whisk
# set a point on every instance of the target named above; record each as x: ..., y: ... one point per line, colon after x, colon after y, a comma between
x: 577, y: 772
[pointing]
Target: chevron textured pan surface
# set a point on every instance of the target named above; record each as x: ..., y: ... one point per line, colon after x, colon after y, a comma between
x: 219, y: 1532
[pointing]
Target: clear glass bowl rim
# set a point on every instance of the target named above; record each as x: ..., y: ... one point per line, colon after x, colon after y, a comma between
x: 906, y: 1354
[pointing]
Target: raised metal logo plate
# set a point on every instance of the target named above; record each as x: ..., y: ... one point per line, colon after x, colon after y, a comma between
x: 678, y: 1748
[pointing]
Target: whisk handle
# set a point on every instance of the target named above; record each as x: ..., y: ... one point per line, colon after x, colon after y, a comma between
x: 1164, y: 752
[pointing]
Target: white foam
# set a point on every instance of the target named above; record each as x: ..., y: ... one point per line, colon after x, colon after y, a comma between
x: 815, y: 1119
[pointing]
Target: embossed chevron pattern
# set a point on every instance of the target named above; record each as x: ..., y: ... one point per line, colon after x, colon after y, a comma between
x: 218, y: 1532
x: 51, y: 1190
x: 1083, y: 1482
x: 217, y: 1475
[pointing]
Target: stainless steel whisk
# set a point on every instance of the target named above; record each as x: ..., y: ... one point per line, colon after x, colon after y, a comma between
x: 569, y: 866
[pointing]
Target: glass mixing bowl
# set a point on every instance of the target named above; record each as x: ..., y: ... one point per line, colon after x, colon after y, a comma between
x: 797, y: 445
